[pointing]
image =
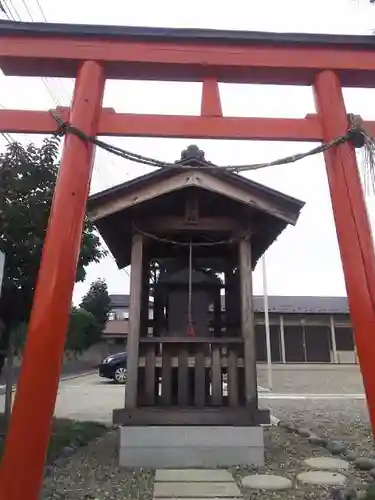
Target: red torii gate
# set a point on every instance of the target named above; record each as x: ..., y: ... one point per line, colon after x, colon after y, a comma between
x: 92, y: 54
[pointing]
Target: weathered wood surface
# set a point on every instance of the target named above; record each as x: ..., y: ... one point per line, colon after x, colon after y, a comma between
x: 191, y: 416
x: 248, y: 195
x: 173, y: 223
x: 192, y: 361
x: 183, y: 378
x: 191, y: 340
x: 200, y: 377
x: 150, y: 376
x: 216, y: 377
x: 232, y: 381
x: 247, y: 322
x: 134, y: 321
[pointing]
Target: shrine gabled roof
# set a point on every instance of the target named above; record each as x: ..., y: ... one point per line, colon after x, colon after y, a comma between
x: 115, y: 211
x: 127, y: 194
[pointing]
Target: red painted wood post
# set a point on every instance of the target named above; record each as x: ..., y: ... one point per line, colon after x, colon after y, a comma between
x: 22, y: 466
x: 352, y: 227
x: 211, y: 101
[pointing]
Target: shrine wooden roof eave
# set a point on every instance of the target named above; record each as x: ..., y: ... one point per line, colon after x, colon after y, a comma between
x: 170, y: 54
x: 108, y: 202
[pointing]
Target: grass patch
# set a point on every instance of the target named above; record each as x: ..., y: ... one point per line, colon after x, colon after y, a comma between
x: 71, y: 433
x: 65, y: 433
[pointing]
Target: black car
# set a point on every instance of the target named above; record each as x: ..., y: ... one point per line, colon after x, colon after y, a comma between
x: 114, y: 367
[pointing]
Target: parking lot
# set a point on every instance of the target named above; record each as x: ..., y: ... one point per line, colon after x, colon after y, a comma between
x: 90, y: 397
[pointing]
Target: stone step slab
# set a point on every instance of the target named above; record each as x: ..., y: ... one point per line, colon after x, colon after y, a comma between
x: 182, y: 489
x: 266, y: 482
x: 327, y: 463
x: 193, y: 475
x: 322, y: 478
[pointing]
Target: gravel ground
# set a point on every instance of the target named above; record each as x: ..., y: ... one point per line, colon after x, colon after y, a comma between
x: 343, y: 419
x: 285, y: 453
x: 93, y: 473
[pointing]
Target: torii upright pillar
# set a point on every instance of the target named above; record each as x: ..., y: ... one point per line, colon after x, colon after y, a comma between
x: 30, y: 425
x: 352, y: 226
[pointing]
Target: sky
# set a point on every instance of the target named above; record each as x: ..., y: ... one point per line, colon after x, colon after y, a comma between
x: 305, y: 259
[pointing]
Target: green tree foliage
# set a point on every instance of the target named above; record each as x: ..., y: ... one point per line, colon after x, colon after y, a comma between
x: 98, y: 303
x: 27, y: 180
x: 82, y: 331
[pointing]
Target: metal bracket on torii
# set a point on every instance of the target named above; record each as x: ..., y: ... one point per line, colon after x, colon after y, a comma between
x: 92, y: 54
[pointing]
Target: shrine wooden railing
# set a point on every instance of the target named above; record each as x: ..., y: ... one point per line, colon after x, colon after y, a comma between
x: 191, y: 372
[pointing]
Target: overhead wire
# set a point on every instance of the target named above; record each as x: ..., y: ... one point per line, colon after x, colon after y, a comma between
x: 104, y: 179
x: 11, y: 12
x: 56, y: 98
x: 97, y: 167
x: 5, y: 135
x: 14, y: 15
x: 41, y: 11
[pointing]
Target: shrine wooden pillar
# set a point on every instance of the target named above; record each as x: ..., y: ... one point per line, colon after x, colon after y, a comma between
x: 247, y: 322
x: 22, y: 465
x: 136, y: 282
x: 145, y: 293
x: 352, y: 226
x: 217, y: 323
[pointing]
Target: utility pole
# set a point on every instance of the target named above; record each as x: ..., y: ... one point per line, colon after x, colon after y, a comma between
x: 267, y: 323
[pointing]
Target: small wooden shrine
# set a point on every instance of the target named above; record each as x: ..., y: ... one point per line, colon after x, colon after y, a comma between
x: 192, y: 235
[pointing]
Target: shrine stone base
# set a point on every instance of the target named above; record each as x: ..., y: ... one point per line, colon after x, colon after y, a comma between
x: 163, y: 447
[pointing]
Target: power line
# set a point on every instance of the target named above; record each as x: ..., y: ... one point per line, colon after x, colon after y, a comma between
x: 41, y: 11
x: 6, y: 136
x: 11, y: 16
x: 65, y: 92
x: 98, y: 168
x: 8, y: 12
x: 14, y: 15
x: 46, y: 83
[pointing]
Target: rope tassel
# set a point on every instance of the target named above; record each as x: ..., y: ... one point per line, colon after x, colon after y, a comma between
x: 367, y: 165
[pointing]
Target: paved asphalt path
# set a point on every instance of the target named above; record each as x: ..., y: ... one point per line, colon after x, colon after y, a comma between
x: 85, y: 396
x: 88, y: 397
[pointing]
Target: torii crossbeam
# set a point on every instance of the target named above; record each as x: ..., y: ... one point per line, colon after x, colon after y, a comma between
x: 92, y: 54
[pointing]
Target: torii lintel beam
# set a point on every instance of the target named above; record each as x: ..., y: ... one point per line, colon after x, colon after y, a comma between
x: 57, y: 50
x: 306, y: 129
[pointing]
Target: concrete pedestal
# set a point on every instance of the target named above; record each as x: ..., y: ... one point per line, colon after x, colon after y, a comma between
x: 175, y: 447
